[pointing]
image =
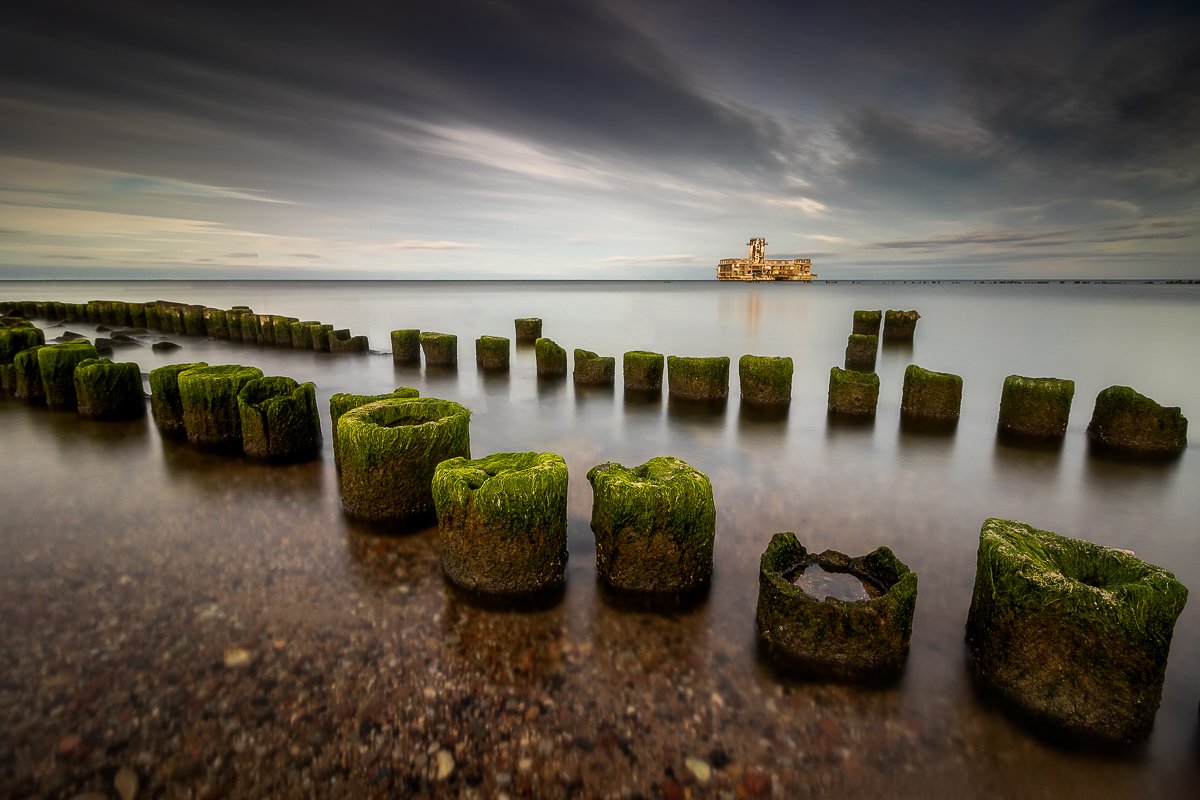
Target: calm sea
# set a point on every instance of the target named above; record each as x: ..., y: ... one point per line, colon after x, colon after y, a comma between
x: 105, y: 528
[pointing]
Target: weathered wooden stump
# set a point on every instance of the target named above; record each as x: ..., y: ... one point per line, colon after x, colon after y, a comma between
x: 834, y: 616
x: 899, y: 326
x: 698, y: 378
x: 440, y: 349
x: 388, y: 452
x: 320, y: 340
x: 502, y: 521
x: 492, y: 352
x: 208, y: 396
x: 109, y: 391
x: 528, y: 330
x: 934, y: 396
x: 861, y: 350
x: 866, y: 323
x: 551, y: 359
x: 853, y: 393
x: 1069, y: 633
x: 57, y: 365
x: 166, y: 406
x: 279, y: 419
x: 406, y: 346
x: 282, y: 330
x: 1036, y: 407
x: 654, y: 526
x: 216, y: 323
x: 765, y: 380
x: 643, y: 371
x: 340, y: 341
x: 1126, y: 420
x: 13, y: 339
x: 193, y: 320
x: 27, y: 375
x: 591, y: 368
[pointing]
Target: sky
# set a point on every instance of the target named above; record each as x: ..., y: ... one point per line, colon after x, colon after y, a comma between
x: 590, y: 139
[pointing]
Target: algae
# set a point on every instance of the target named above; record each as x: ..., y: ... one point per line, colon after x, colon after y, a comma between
x: 853, y: 393
x: 528, y: 329
x: 492, y: 352
x: 27, y: 375
x: 931, y: 395
x: 765, y: 380
x: 861, y: 350
x: 1124, y: 419
x: 591, y: 368
x: 166, y: 406
x: 698, y: 378
x: 441, y: 349
x: 551, y: 359
x: 899, y: 326
x: 14, y: 340
x: 209, y: 398
x: 866, y: 323
x: 406, y: 346
x: 1037, y: 407
x: 107, y: 390
x: 279, y: 419
x: 57, y: 364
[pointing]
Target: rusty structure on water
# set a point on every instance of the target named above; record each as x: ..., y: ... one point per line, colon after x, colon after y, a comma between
x: 759, y: 268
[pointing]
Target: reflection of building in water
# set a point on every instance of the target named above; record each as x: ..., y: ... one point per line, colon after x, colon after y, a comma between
x: 758, y: 268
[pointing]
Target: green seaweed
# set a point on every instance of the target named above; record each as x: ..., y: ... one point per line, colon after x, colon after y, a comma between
x: 209, y: 398
x: 388, y: 452
x: 1038, y: 407
x: 14, y: 340
x: 591, y: 368
x: 321, y: 336
x: 166, y: 406
x: 193, y: 320
x: 281, y: 330
x: 1071, y: 633
x: 551, y: 359
x: 340, y: 341
x: 861, y: 350
x: 1124, y: 419
x: 654, y: 525
x: 853, y: 393
x: 107, y: 390
x: 27, y: 375
x: 643, y: 371
x: 492, y: 352
x: 698, y: 378
x: 250, y: 328
x: 216, y: 323
x: 866, y: 323
x: 279, y: 419
x: 406, y: 346
x: 931, y: 395
x: 765, y: 380
x: 57, y: 365
x: 441, y: 349
x: 502, y: 521
x: 899, y: 326
x: 528, y: 329
x: 829, y: 637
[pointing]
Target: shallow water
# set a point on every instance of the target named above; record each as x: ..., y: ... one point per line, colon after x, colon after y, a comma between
x: 132, y: 564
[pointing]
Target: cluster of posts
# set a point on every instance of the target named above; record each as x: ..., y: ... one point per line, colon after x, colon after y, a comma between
x: 1071, y: 634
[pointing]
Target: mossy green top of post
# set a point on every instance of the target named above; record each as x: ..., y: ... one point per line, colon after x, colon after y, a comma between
x: 210, y: 406
x: 342, y: 402
x: 1125, y: 419
x: 492, y: 352
x: 165, y: 403
x: 551, y: 359
x: 1072, y: 630
x: 861, y: 350
x: 867, y: 322
x: 279, y: 419
x: 27, y: 382
x: 832, y: 637
x: 765, y: 380
x: 643, y: 370
x: 441, y: 349
x: 931, y: 395
x: 528, y: 329
x: 593, y: 368
x: 698, y: 378
x: 655, y: 525
x: 281, y: 328
x: 899, y: 325
x: 320, y: 339
x: 406, y: 346
x: 57, y: 364
x: 851, y: 392
x: 388, y: 451
x: 107, y: 390
x: 1036, y: 406
x: 14, y: 340
x: 537, y: 479
x: 216, y: 323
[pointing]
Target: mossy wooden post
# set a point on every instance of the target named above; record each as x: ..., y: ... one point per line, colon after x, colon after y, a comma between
x: 153, y: 322
x: 57, y: 364
x: 216, y: 323
x: 861, y: 350
x: 550, y: 358
x: 933, y: 396
x: 109, y: 391
x: 166, y: 406
x: 137, y: 315
x: 698, y: 378
x: 13, y: 341
x: 388, y: 451
x: 209, y: 398
x: 193, y: 320
x: 502, y: 521
x: 266, y: 329
x: 654, y: 526
x: 279, y: 419
x: 642, y: 371
x: 765, y: 380
x: 321, y: 338
x: 342, y: 402
x: 406, y: 346
x: 492, y: 352
x: 249, y: 326
x: 302, y: 335
x: 528, y: 330
x: 899, y: 326
x: 233, y: 319
x: 440, y: 349
x: 170, y: 317
x: 1126, y: 420
x: 1037, y: 407
x: 866, y: 323
x: 120, y: 313
x: 340, y: 341
x: 282, y: 329
x: 591, y: 368
x: 829, y: 637
x: 27, y: 375
x: 853, y: 393
x: 1070, y: 633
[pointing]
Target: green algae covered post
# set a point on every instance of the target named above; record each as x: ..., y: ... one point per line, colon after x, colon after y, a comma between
x: 642, y: 371
x: 388, y: 451
x: 233, y: 321
x: 765, y: 380
x: 279, y: 419
x: 137, y: 315
x: 819, y: 635
x: 654, y: 526
x: 12, y: 341
x: 209, y: 397
x: 57, y: 365
x: 551, y: 359
x: 698, y: 378
x: 591, y: 368
x: 853, y: 393
x: 266, y: 329
x: 249, y: 326
x: 302, y: 333
x: 861, y: 350
x: 342, y: 402
x: 934, y: 396
x: 1070, y: 633
x: 216, y: 323
x: 866, y: 323
x: 153, y: 322
x: 321, y: 338
x: 109, y: 391
x: 899, y: 326
x: 193, y: 320
x: 166, y: 406
x: 282, y: 329
x: 441, y: 349
x: 528, y: 329
x: 502, y: 521
x: 1037, y: 407
x: 340, y: 341
x: 27, y: 375
x: 406, y: 346
x: 1126, y: 420
x: 492, y: 352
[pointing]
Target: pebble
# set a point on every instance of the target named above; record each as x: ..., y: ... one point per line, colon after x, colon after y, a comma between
x: 126, y: 783
x: 445, y: 764
x: 699, y: 768
x: 236, y: 657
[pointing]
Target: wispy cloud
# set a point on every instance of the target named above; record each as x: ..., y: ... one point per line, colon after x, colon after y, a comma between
x: 429, y: 244
x: 669, y: 258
